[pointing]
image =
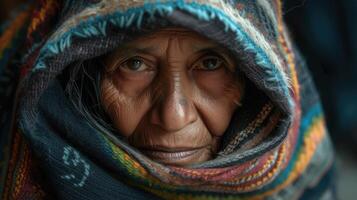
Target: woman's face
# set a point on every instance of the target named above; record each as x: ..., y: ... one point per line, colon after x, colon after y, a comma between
x: 171, y: 94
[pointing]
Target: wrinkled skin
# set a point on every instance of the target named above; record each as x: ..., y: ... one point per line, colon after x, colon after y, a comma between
x: 172, y: 94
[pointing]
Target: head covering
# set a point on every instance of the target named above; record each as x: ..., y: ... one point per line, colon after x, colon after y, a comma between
x: 276, y: 145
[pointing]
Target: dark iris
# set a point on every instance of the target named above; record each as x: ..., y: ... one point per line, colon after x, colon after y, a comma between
x: 211, y: 63
x: 134, y: 64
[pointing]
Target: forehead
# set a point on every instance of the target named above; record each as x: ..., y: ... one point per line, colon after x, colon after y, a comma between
x: 188, y: 36
x: 175, y: 31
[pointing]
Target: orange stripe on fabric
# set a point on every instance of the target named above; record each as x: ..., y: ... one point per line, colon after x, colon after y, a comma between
x: 6, y: 37
x: 313, y: 137
x: 15, y: 154
x: 290, y: 55
x: 22, y: 173
x: 40, y: 16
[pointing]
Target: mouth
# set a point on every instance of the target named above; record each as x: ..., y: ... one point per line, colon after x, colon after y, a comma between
x: 176, y: 156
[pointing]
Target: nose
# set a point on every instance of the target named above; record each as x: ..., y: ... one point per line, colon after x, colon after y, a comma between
x: 174, y: 109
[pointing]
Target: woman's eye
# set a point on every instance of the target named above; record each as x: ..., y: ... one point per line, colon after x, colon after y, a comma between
x: 134, y: 64
x: 209, y: 63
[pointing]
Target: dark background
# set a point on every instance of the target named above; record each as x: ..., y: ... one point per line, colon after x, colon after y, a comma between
x: 325, y: 31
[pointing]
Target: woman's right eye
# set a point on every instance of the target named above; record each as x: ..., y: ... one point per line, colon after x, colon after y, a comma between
x: 134, y: 65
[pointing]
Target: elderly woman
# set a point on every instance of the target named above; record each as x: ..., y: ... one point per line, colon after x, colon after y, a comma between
x: 139, y: 99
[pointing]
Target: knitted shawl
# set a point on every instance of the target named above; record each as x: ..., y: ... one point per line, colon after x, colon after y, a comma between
x: 276, y: 146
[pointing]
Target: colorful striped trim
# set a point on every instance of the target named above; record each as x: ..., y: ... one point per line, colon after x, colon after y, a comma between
x: 18, y: 177
x: 312, y: 132
x: 314, y: 135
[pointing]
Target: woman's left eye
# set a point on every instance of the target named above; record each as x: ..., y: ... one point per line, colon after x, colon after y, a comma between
x: 209, y: 63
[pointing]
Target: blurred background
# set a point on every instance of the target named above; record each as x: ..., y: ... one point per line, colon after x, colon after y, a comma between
x: 325, y: 31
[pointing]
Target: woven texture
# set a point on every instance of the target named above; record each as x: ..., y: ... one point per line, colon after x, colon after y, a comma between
x: 279, y: 148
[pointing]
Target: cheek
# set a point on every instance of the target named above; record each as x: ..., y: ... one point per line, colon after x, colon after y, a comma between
x: 217, y: 96
x: 216, y: 115
x: 131, y: 84
x: 125, y: 110
x: 213, y: 83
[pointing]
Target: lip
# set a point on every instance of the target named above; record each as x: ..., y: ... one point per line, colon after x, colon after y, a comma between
x: 171, y: 155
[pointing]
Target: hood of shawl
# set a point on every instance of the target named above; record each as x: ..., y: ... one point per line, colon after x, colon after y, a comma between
x: 250, y: 29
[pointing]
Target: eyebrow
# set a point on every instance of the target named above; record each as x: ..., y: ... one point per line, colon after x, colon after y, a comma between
x: 212, y: 47
x: 133, y: 50
x: 146, y: 50
x: 199, y: 47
